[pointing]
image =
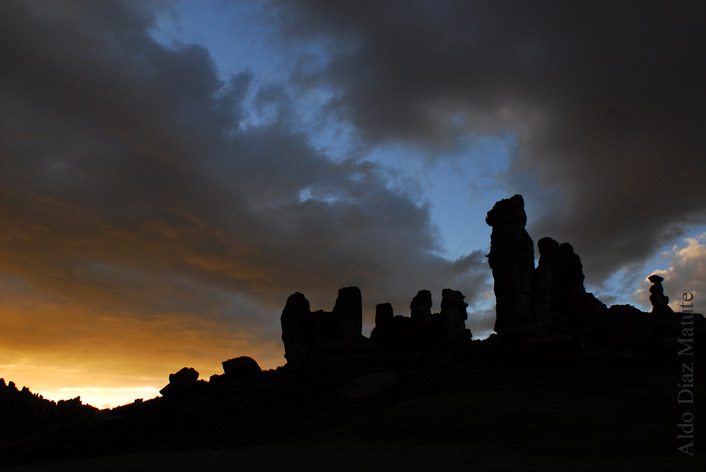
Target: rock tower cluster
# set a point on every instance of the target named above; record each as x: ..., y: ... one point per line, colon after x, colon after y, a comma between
x: 310, y: 336
x: 532, y: 301
x: 534, y: 306
x: 422, y: 330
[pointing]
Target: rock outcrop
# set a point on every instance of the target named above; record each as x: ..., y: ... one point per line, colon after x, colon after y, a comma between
x: 451, y: 326
x: 22, y: 410
x: 550, y: 301
x: 383, y: 333
x: 308, y: 335
x: 659, y: 301
x: 297, y: 329
x: 511, y: 258
x: 547, y: 300
x: 348, y: 313
x: 181, y: 383
x: 394, y: 333
x: 422, y: 330
x: 237, y: 372
x: 544, y: 306
x: 420, y: 309
x: 241, y: 368
x: 560, y: 303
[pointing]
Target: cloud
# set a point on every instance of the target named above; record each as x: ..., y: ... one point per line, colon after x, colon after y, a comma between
x: 606, y: 105
x: 146, y: 201
x: 142, y: 205
x: 686, y: 274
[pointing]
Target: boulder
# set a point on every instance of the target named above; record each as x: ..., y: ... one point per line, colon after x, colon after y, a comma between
x: 241, y: 368
x: 181, y: 382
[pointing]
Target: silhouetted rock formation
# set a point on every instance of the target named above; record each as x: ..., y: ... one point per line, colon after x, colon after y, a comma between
x: 560, y: 309
x: 422, y: 330
x: 452, y: 327
x: 241, y: 368
x: 383, y: 332
x: 627, y: 327
x: 297, y: 328
x: 308, y: 335
x: 420, y: 309
x: 560, y: 303
x: 181, y: 383
x: 238, y: 371
x: 660, y: 302
x: 546, y: 279
x: 333, y: 373
x: 348, y: 313
x: 395, y: 333
x: 512, y: 260
x: 21, y: 411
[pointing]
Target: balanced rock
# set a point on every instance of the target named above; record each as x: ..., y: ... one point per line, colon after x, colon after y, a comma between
x: 660, y: 302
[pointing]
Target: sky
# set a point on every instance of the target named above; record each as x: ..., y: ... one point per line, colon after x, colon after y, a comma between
x: 171, y: 171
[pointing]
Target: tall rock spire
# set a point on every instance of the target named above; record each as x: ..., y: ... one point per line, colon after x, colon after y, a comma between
x: 512, y: 260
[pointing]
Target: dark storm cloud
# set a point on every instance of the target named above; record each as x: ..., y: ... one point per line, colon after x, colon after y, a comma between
x: 605, y: 99
x: 133, y: 180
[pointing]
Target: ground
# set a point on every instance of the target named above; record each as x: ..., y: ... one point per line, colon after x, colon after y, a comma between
x: 602, y: 414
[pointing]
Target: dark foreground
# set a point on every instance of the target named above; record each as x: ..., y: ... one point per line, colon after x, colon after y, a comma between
x: 434, y: 413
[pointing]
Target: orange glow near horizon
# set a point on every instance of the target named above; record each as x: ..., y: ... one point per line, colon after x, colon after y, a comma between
x: 61, y: 350
x: 55, y: 381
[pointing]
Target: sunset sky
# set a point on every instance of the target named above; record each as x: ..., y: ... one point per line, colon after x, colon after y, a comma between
x: 171, y: 171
